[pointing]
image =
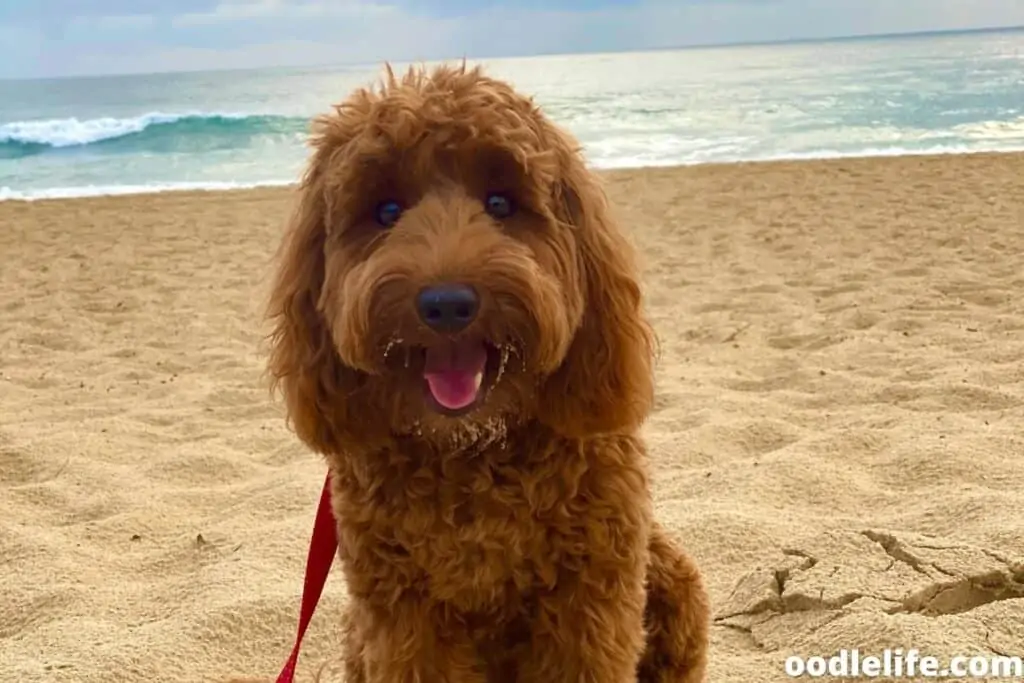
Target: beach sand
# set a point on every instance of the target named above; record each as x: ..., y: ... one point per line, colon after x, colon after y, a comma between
x: 838, y: 436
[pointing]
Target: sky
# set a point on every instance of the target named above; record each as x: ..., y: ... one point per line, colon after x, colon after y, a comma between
x: 45, y: 38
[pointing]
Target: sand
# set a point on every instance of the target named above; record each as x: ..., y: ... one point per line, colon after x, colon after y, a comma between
x: 838, y: 436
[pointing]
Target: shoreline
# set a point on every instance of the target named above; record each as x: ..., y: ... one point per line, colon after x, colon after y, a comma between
x: 189, y: 189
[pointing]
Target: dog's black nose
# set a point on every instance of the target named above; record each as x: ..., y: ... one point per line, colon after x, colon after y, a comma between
x: 448, y: 308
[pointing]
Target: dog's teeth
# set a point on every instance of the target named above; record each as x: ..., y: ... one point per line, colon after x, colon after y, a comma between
x: 478, y: 380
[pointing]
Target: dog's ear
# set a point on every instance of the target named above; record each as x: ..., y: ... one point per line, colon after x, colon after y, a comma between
x: 605, y: 383
x: 303, y: 363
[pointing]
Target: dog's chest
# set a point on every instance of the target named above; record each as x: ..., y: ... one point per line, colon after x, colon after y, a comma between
x: 468, y: 536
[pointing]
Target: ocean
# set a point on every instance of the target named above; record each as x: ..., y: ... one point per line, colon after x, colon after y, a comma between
x: 938, y: 93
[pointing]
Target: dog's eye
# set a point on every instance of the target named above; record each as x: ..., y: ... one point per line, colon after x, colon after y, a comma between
x: 499, y: 205
x: 388, y: 212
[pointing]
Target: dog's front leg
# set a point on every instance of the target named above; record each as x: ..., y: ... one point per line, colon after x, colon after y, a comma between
x: 410, y: 643
x: 591, y: 633
x: 588, y: 622
x: 590, y: 627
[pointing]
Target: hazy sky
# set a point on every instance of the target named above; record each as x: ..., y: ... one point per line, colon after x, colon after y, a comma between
x: 64, y: 37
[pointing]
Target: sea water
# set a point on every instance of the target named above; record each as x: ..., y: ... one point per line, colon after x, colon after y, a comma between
x: 937, y: 93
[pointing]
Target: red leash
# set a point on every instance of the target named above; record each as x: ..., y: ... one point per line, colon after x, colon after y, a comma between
x: 322, y: 547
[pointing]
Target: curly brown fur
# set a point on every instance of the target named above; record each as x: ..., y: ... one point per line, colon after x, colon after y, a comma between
x: 511, y: 540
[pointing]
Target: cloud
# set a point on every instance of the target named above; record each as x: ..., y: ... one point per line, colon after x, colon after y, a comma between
x: 46, y: 11
x: 62, y: 37
x: 112, y: 23
x: 240, y: 10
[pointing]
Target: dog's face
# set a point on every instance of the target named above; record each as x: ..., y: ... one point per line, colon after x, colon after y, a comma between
x: 452, y: 273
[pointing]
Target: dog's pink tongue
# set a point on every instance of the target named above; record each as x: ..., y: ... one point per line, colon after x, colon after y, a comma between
x: 455, y: 373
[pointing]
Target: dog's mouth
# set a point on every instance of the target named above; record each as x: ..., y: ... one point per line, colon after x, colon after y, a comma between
x: 454, y: 373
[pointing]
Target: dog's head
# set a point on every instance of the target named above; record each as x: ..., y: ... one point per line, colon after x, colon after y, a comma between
x: 452, y: 272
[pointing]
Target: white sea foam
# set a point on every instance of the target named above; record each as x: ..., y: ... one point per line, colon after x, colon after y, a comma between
x: 71, y: 132
x: 992, y: 130
x: 645, y: 161
x: 7, y: 194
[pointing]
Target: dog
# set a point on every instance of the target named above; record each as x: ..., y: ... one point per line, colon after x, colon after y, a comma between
x: 458, y: 329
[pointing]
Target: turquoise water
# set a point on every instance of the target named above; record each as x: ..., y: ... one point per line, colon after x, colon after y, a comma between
x: 882, y: 96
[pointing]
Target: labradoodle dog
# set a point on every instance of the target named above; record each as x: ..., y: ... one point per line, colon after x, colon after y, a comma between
x: 459, y: 331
